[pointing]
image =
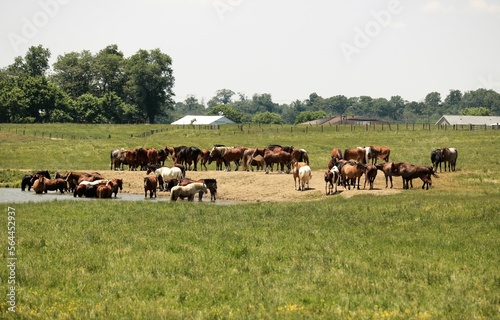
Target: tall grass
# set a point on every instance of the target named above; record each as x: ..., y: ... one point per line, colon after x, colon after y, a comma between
x: 412, y: 255
x: 397, y: 257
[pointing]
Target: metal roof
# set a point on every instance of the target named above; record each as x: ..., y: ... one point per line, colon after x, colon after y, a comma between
x: 203, y: 120
x: 474, y: 120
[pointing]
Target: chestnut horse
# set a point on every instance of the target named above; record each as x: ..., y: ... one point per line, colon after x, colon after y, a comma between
x: 352, y: 171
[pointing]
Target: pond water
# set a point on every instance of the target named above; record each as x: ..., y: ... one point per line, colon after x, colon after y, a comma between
x: 15, y: 195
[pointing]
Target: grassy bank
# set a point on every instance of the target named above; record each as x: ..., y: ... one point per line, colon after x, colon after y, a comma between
x: 397, y: 257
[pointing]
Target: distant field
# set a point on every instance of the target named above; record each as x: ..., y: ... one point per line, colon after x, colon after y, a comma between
x: 413, y: 255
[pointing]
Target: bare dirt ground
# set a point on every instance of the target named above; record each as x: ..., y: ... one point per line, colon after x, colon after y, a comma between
x: 252, y: 187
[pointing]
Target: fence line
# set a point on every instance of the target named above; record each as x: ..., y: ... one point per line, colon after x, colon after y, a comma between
x: 261, y: 128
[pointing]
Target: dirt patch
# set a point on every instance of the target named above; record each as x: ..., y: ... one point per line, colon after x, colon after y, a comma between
x: 251, y: 187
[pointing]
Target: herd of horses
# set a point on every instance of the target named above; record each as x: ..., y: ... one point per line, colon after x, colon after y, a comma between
x: 90, y: 185
x: 344, y: 169
x: 347, y: 168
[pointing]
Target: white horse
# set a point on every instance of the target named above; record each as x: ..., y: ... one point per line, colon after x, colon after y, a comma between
x: 166, y: 174
x: 187, y: 191
x: 94, y: 183
x: 305, y: 175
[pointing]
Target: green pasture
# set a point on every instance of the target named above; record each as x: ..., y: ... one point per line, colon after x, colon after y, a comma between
x: 413, y: 255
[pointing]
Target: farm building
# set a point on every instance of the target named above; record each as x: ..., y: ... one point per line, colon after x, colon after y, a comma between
x: 346, y: 120
x: 203, y: 120
x: 468, y: 120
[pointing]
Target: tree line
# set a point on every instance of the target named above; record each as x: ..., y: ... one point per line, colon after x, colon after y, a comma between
x: 107, y: 87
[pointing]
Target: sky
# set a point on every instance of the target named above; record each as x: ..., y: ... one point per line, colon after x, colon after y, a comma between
x: 285, y: 48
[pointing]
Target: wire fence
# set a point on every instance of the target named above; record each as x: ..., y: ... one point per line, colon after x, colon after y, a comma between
x: 257, y: 128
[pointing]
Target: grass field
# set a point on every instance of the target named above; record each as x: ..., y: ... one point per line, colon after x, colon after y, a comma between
x: 413, y: 255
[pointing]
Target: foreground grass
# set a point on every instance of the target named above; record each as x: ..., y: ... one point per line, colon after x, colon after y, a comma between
x: 395, y: 258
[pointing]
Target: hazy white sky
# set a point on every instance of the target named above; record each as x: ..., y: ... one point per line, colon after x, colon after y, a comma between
x: 287, y: 48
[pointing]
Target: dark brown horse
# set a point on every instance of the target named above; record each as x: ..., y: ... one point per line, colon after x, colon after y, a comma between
x: 409, y: 172
x: 389, y: 170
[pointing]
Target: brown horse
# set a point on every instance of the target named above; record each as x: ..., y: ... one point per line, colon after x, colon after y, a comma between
x: 370, y: 175
x: 105, y: 190
x: 150, y: 184
x: 203, y: 158
x: 39, y: 184
x: 378, y: 153
x: 449, y: 157
x: 117, y: 184
x: 55, y: 184
x: 357, y: 154
x: 409, y: 172
x: 389, y: 170
x: 352, y: 171
x: 336, y: 154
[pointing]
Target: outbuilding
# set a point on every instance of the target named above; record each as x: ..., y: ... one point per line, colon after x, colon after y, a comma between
x: 203, y: 120
x: 451, y: 120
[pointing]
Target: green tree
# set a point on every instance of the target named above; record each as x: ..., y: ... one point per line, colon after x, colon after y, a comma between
x: 150, y: 83
x: 481, y: 97
x: 452, y: 102
x: 37, y: 61
x: 306, y: 116
x: 88, y: 109
x: 108, y: 71
x: 267, y: 118
x: 73, y: 72
x: 222, y: 96
x: 432, y: 104
x: 112, y: 108
x: 226, y: 111
x: 34, y: 64
x: 482, y: 111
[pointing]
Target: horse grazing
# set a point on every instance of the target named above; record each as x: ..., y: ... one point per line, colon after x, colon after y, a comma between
x: 105, y: 190
x: 150, y: 184
x: 332, y: 178
x: 409, y: 172
x: 437, y: 159
x: 187, y: 191
x: 370, y: 175
x: 350, y: 171
x: 55, y: 184
x: 449, y: 156
x: 378, y: 153
x: 211, y: 185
